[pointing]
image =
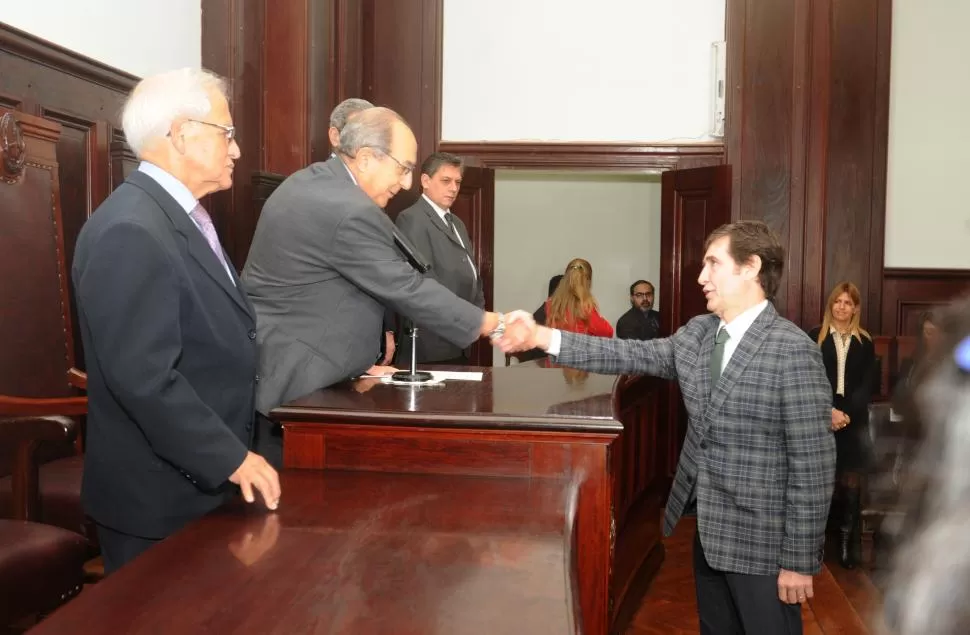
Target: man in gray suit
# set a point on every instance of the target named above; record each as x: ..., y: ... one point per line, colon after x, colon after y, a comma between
x: 758, y: 463
x: 441, y: 237
x: 323, y: 265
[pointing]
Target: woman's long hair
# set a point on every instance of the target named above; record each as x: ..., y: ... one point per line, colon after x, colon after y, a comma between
x: 573, y: 299
x: 857, y: 331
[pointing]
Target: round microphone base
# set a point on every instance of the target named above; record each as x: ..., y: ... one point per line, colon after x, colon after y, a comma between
x: 417, y: 377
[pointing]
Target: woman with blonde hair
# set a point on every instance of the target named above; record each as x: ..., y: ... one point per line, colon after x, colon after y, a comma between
x: 850, y: 361
x: 572, y: 306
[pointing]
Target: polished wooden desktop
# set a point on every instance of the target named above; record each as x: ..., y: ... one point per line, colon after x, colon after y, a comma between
x: 520, y: 422
x: 353, y: 553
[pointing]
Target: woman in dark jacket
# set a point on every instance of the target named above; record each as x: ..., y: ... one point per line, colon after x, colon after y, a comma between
x: 850, y: 361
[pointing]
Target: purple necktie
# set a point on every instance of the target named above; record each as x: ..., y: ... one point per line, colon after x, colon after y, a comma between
x: 204, y: 221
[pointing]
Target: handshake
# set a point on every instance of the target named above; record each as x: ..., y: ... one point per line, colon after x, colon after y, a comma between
x: 521, y: 332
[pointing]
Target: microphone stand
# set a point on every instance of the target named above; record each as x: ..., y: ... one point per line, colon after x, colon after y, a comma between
x: 413, y: 376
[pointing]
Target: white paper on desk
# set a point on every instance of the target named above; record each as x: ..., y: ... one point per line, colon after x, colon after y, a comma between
x: 442, y: 375
x: 455, y: 374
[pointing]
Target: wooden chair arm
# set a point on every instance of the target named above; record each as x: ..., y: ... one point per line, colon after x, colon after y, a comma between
x: 77, y: 378
x: 23, y: 435
x: 26, y: 407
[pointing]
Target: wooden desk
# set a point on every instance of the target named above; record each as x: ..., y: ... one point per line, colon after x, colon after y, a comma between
x: 353, y: 553
x: 523, y: 422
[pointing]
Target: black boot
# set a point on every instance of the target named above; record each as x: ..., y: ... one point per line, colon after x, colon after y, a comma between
x: 850, y: 533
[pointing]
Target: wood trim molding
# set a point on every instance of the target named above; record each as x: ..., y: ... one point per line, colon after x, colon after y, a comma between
x: 595, y: 156
x: 906, y: 293
x: 35, y: 49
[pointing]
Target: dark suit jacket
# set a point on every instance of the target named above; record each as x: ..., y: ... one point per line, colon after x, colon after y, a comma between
x: 433, y: 238
x: 759, y: 448
x: 170, y: 351
x: 860, y: 378
x: 637, y: 325
x: 321, y: 269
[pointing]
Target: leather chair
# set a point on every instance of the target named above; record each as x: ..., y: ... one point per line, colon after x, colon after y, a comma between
x: 59, y: 488
x: 41, y: 566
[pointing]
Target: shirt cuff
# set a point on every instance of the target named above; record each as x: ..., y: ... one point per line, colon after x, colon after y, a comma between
x: 555, y: 342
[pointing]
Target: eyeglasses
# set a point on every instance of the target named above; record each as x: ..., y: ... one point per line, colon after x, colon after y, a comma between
x: 229, y: 130
x: 641, y: 296
x: 404, y: 169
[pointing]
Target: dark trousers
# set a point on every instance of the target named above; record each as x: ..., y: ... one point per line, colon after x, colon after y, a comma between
x: 737, y: 604
x: 117, y: 548
x: 268, y: 441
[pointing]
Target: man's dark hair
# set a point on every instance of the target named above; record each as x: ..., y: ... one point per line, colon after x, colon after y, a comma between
x: 434, y: 162
x: 638, y: 283
x: 754, y: 238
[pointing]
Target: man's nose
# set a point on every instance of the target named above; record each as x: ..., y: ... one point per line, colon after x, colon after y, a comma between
x: 234, y: 151
x: 406, y: 181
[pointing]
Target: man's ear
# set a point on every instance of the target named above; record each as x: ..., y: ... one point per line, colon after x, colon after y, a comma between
x: 425, y: 181
x: 176, y: 135
x: 753, y: 267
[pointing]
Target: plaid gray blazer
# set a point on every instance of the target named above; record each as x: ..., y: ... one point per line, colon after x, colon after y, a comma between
x: 759, y: 447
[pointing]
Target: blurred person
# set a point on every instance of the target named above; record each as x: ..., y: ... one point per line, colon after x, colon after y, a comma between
x: 926, y: 587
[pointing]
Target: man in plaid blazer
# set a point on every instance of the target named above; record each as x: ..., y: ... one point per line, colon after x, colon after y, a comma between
x: 758, y: 463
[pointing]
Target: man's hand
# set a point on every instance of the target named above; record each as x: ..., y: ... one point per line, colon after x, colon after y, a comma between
x: 839, y: 419
x: 794, y: 588
x: 380, y: 371
x: 520, y: 332
x: 389, y: 348
x: 256, y: 473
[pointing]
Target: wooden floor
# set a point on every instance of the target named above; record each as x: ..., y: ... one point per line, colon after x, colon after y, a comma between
x: 845, y: 601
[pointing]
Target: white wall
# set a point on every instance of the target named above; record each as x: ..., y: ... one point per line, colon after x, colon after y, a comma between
x: 545, y: 219
x: 927, y: 217
x: 554, y: 70
x: 136, y: 36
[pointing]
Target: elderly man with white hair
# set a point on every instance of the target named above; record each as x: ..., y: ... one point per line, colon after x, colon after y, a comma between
x: 168, y: 332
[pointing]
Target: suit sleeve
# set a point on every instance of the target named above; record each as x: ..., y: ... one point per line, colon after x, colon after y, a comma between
x: 806, y: 403
x: 868, y: 380
x: 613, y: 356
x: 132, y: 314
x: 362, y: 251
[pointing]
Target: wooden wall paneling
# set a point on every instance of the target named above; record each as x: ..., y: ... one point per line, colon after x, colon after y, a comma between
x: 123, y: 160
x: 906, y: 293
x: 807, y: 130
x: 851, y: 149
x: 401, y: 69
x: 232, y: 39
x: 588, y: 156
x: 286, y: 91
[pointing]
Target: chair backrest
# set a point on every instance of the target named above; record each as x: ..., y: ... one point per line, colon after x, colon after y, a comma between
x: 35, y: 316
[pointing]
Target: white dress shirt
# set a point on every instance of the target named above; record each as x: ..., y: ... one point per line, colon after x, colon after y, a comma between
x: 177, y: 190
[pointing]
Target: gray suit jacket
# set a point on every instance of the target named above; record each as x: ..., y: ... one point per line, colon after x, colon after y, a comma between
x: 433, y: 238
x: 321, y: 269
x: 759, y: 447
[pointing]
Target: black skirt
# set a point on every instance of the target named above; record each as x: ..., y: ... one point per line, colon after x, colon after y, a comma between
x: 852, y: 443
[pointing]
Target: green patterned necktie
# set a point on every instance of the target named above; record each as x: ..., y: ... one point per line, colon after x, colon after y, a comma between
x: 718, y: 355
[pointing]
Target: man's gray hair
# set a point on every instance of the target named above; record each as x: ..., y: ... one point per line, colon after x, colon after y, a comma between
x: 160, y: 99
x: 345, y: 110
x: 370, y: 129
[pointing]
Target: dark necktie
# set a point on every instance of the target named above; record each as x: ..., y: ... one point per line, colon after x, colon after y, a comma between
x: 718, y: 355
x: 450, y: 220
